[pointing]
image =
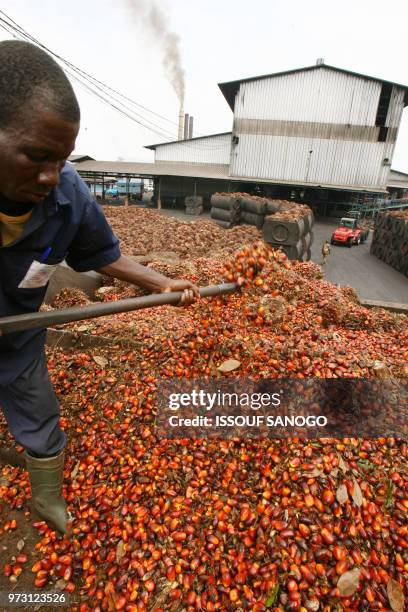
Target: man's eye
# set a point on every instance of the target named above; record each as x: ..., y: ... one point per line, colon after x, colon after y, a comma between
x: 38, y: 159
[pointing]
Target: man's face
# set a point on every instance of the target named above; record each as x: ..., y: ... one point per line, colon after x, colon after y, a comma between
x: 33, y: 152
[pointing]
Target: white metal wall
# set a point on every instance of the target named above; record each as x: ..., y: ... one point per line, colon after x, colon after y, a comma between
x: 207, y: 150
x: 322, y: 95
x: 274, y: 144
x: 332, y: 162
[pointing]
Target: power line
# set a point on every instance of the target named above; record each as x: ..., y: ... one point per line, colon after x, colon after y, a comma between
x: 98, y: 89
x: 91, y: 88
x: 25, y: 33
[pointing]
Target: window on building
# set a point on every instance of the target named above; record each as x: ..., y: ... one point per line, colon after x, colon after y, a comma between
x: 382, y: 134
x: 382, y: 111
x: 383, y: 104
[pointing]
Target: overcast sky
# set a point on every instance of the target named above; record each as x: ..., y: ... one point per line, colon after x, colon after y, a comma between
x: 220, y: 40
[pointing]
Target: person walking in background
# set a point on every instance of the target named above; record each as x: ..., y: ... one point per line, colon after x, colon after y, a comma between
x: 325, y: 252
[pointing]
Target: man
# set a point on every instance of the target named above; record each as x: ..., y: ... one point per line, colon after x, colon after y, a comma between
x: 47, y: 215
x: 325, y: 251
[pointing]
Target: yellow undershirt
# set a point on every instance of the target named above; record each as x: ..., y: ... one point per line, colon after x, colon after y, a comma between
x: 11, y: 228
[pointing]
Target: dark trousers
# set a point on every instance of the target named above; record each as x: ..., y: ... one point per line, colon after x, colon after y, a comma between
x: 32, y: 411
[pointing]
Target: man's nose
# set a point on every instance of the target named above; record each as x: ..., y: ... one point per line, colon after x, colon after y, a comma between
x: 50, y: 175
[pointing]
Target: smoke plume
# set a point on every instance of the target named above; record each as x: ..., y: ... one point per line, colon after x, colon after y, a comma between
x: 154, y: 18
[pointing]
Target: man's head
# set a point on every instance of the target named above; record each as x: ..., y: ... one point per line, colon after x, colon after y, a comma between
x: 39, y: 121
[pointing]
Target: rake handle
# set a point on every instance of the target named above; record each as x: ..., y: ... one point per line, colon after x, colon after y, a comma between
x: 36, y: 320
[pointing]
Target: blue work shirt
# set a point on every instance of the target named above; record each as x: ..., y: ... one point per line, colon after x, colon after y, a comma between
x: 68, y: 225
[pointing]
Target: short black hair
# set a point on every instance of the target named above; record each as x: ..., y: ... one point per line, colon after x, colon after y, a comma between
x: 28, y: 74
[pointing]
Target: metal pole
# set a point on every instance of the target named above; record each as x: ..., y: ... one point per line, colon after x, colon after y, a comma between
x: 159, y: 205
x: 78, y: 313
x: 103, y: 187
x: 127, y: 192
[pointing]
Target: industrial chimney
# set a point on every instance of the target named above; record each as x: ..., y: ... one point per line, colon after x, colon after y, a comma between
x: 181, y: 123
x: 190, y: 127
x: 186, y: 123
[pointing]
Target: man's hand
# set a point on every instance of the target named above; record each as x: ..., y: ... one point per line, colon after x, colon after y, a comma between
x: 190, y: 291
x: 132, y: 272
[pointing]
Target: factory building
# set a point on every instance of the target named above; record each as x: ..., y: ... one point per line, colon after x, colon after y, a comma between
x: 319, y: 134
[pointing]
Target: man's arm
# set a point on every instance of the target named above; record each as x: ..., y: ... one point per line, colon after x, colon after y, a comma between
x: 130, y: 271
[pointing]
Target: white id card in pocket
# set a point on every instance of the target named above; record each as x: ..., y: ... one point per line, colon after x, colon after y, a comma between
x: 37, y: 275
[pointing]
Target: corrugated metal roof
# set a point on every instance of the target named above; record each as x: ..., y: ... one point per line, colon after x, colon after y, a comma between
x: 397, y: 184
x: 396, y: 175
x: 230, y: 88
x: 77, y: 158
x: 205, y: 171
x: 161, y: 144
x: 397, y: 179
x: 153, y: 170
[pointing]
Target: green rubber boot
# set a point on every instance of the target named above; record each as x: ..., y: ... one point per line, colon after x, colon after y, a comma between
x: 46, y: 477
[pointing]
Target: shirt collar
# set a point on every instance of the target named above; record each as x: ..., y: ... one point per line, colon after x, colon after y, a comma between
x: 59, y: 196
x: 54, y: 200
